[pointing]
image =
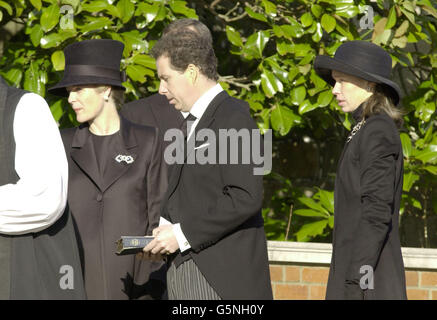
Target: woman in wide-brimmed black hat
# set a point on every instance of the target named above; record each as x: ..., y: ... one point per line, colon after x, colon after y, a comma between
x: 366, y: 259
x: 116, y: 174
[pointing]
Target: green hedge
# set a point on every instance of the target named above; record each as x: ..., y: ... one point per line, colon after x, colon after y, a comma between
x: 266, y: 50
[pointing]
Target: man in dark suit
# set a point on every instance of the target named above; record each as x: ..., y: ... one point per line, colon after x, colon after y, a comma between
x: 155, y: 110
x: 211, y: 226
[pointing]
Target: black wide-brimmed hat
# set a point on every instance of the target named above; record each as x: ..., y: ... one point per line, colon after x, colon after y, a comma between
x: 91, y: 62
x: 361, y: 59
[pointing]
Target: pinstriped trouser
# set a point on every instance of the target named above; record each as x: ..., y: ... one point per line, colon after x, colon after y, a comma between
x: 186, y: 282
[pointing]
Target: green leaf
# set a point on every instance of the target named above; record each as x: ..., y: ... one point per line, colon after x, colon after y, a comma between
x: 256, y: 42
x: 324, y: 98
x: 425, y: 110
x: 298, y: 95
x: 270, y: 84
x: 14, y: 77
x: 310, y: 230
x: 36, y: 35
x: 309, y: 202
x: 32, y: 80
x: 317, y: 36
x: 409, y: 179
x: 391, y: 18
x: 50, y: 17
x: 327, y: 199
x: 137, y: 73
x: 309, y: 213
x: 255, y: 15
x: 95, y: 6
x: 57, y: 109
x: 328, y: 23
x: 126, y: 9
x: 148, y: 11
x: 234, y: 36
x: 307, y: 106
x: 96, y: 24
x: 269, y: 7
x: 431, y: 169
x: 345, y: 8
x: 145, y: 60
x: 402, y: 29
x: 58, y: 60
x: 51, y: 40
x: 406, y: 144
x: 292, y: 30
x: 283, y: 119
x: 181, y: 7
x: 284, y: 47
x: 134, y: 40
x: 7, y: 7
x: 306, y: 19
x: 317, y: 10
x: 427, y: 155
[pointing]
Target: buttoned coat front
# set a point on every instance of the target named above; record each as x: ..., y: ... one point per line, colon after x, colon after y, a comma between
x: 125, y: 202
x: 368, y: 189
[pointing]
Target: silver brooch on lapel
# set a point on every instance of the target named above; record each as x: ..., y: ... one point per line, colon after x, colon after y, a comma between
x: 125, y: 158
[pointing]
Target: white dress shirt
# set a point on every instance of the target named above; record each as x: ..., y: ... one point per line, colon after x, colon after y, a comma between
x: 197, y: 110
x: 38, y: 199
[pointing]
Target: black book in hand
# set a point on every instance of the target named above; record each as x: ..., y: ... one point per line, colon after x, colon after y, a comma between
x: 132, y: 244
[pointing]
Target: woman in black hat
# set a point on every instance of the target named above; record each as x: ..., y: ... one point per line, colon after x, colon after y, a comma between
x: 116, y: 174
x: 366, y: 259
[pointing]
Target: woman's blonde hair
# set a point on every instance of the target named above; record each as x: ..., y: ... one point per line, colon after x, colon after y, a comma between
x: 381, y: 101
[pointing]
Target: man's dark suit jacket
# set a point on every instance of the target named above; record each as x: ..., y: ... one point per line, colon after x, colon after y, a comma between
x: 219, y: 209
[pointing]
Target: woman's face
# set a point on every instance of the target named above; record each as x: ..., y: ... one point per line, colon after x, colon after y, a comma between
x: 87, y: 101
x: 350, y: 91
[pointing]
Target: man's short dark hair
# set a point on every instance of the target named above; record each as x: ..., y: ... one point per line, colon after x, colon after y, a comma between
x: 189, y: 24
x: 187, y: 47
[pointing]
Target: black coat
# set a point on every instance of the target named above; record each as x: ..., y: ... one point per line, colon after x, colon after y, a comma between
x: 368, y: 191
x: 126, y: 203
x: 219, y: 209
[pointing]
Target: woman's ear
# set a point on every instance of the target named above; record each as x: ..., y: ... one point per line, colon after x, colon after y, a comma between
x: 107, y: 93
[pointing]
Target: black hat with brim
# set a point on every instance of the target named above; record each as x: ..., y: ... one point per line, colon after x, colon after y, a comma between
x: 363, y: 60
x: 91, y: 62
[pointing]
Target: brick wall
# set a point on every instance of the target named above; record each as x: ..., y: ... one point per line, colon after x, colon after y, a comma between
x: 306, y: 282
x: 299, y: 271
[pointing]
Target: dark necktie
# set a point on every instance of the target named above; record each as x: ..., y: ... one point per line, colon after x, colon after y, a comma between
x: 188, y: 121
x: 186, y: 128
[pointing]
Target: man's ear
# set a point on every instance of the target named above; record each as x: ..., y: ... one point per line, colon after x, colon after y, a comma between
x: 192, y: 72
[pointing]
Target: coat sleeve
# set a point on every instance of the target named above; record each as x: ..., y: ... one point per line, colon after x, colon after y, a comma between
x: 156, y: 183
x: 38, y: 199
x: 379, y: 147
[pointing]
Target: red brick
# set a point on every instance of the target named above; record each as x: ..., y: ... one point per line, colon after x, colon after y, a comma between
x: 290, y: 292
x: 317, y: 292
x: 292, y: 274
x: 276, y: 273
x: 417, y: 294
x: 315, y: 275
x: 428, y: 279
x: 412, y: 278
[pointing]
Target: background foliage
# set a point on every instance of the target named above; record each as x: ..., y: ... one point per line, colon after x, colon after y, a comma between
x: 266, y: 51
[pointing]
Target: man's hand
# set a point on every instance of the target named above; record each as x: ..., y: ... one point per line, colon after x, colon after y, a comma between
x: 165, y: 243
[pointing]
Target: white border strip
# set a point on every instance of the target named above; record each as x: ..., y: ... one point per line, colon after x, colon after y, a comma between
x: 320, y: 253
